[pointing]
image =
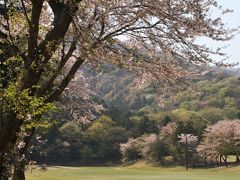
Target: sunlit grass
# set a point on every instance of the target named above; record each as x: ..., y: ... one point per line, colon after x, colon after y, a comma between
x: 135, y: 173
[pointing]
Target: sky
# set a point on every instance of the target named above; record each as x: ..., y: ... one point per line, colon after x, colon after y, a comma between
x: 231, y: 20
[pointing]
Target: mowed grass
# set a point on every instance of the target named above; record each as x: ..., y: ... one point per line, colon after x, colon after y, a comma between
x: 134, y: 173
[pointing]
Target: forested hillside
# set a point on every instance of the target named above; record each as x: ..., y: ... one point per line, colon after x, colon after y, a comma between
x: 133, y: 113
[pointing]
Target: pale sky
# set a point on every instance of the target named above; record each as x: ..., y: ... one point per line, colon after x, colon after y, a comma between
x: 232, y: 20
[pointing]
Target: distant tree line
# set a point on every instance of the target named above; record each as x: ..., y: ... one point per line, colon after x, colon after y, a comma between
x: 150, y: 132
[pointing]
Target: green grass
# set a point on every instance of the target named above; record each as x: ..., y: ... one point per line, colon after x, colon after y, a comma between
x: 134, y: 173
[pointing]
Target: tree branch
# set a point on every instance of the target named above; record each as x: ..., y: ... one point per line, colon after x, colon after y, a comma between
x: 62, y: 63
x: 33, y: 32
x: 66, y: 80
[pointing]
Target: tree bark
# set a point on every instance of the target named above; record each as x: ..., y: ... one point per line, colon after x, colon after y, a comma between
x: 8, y: 137
x: 19, y: 171
x: 225, y: 161
x: 211, y: 161
x: 19, y: 166
x: 237, y: 159
x: 8, y: 132
x: 186, y: 153
x: 220, y: 160
x: 217, y: 161
x: 224, y: 158
x: 3, y: 170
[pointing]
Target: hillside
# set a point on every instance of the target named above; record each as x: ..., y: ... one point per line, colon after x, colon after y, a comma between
x: 217, y: 89
x: 131, y: 113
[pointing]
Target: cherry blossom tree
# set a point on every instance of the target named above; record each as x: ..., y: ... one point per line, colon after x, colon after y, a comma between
x: 131, y: 150
x: 40, y: 38
x: 168, y: 132
x: 141, y: 147
x: 220, y: 140
x: 190, y: 141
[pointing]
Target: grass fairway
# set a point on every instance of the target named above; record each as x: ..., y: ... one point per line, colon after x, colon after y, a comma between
x: 135, y: 173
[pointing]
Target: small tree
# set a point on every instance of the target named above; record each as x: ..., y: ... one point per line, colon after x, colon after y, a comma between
x: 131, y: 150
x: 154, y: 149
x: 190, y: 141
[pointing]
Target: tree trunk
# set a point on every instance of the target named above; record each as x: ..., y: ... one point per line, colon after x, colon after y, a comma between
x: 217, y: 161
x: 20, y: 164
x: 3, y: 173
x: 224, y: 158
x: 10, y: 126
x: 225, y: 161
x: 161, y: 161
x: 186, y: 153
x: 211, y: 162
x: 3, y: 169
x: 8, y: 132
x: 205, y: 161
x: 237, y: 159
x: 220, y: 160
x: 19, y: 173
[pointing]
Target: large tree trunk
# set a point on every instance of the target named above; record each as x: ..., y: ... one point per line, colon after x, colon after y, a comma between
x: 3, y: 169
x: 19, y: 171
x: 19, y: 166
x: 9, y: 129
x: 8, y: 132
x: 3, y: 175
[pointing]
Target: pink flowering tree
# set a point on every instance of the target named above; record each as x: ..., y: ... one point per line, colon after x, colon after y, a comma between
x: 131, y: 150
x: 148, y: 147
x: 168, y: 132
x: 220, y: 140
x: 190, y: 142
